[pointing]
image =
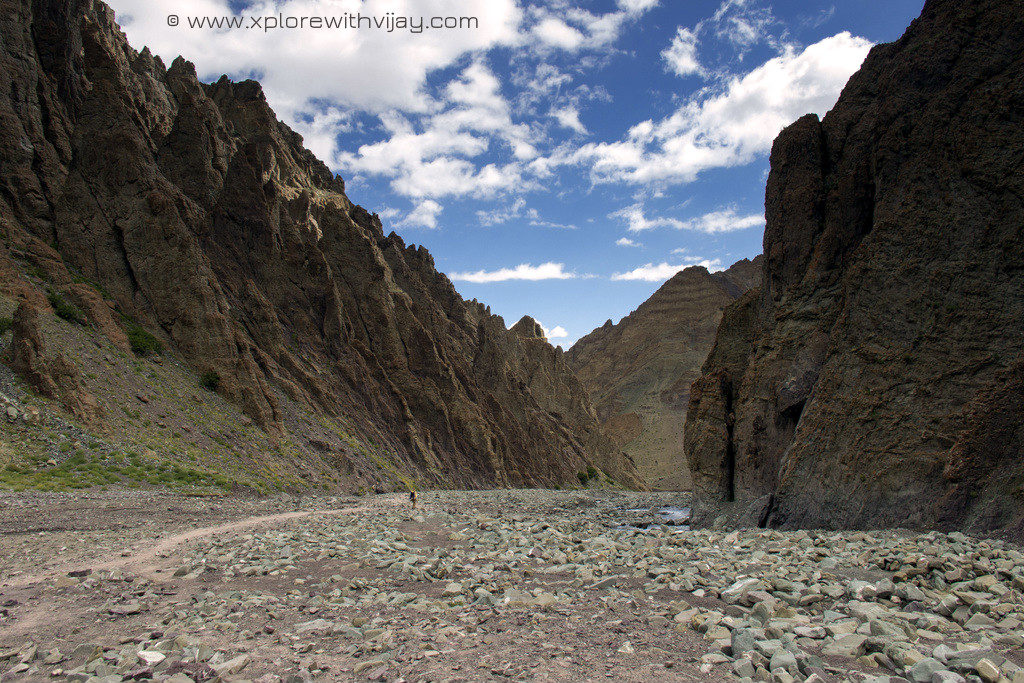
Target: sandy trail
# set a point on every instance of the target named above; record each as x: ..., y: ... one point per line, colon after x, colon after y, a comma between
x: 145, y: 562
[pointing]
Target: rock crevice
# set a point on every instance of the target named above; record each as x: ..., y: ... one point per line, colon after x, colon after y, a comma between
x: 864, y: 372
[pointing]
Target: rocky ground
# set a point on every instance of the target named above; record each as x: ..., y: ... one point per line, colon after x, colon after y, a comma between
x: 511, y: 585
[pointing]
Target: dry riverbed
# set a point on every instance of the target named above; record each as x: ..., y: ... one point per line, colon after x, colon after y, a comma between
x: 476, y: 586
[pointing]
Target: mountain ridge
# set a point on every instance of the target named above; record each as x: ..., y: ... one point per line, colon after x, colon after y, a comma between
x: 639, y: 370
x: 187, y: 209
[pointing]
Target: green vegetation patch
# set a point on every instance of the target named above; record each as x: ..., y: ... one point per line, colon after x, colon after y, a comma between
x: 65, y: 309
x: 86, y: 470
x: 210, y: 380
x: 142, y: 342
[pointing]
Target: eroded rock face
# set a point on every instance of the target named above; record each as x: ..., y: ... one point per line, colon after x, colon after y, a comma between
x: 872, y: 381
x: 202, y: 218
x: 26, y: 356
x: 53, y: 376
x: 639, y: 371
x: 553, y: 384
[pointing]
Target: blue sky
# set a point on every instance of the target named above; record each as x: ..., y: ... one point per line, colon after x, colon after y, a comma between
x: 562, y: 159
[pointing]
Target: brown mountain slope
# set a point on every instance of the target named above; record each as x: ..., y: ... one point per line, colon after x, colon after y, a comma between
x: 639, y: 371
x: 137, y: 191
x: 876, y: 380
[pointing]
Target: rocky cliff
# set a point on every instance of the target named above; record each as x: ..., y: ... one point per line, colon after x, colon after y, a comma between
x: 159, y: 205
x: 876, y: 378
x: 639, y: 371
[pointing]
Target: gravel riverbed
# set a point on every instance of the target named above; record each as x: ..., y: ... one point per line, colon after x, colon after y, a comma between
x: 481, y: 586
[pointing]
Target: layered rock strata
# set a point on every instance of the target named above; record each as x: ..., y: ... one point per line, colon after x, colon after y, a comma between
x: 639, y: 371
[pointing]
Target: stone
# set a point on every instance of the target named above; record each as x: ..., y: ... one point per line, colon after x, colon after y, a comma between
x: 151, y: 657
x: 762, y: 612
x: 87, y: 652
x: 738, y: 590
x: 910, y: 592
x: 923, y: 671
x: 947, y: 677
x: 232, y: 666
x: 882, y: 628
x: 980, y: 621
x: 988, y: 671
x: 367, y: 665
x: 744, y: 668
x: 126, y: 608
x: 742, y: 641
x: 314, y: 625
x: 606, y: 582
x: 846, y: 646
x: 784, y: 660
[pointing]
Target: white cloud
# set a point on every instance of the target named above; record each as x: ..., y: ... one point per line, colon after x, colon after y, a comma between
x: 724, y: 220
x: 368, y: 69
x: 638, y: 222
x: 558, y: 332
x: 317, y: 79
x: 525, y: 271
x: 320, y: 129
x: 437, y: 157
x: 435, y: 136
x: 626, y: 242
x: 662, y: 271
x: 681, y: 55
x: 638, y: 6
x: 573, y: 29
x: 424, y: 215
x: 569, y: 117
x: 536, y: 221
x: 742, y: 23
x: 556, y: 33
x: 734, y: 126
x: 518, y: 210
x: 388, y: 213
x: 721, y: 220
x: 545, y: 79
x: 499, y: 216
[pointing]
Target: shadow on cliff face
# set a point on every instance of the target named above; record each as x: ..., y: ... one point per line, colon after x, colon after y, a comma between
x: 203, y: 220
x: 874, y: 380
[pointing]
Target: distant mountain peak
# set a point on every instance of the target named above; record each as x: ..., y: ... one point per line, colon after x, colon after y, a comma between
x: 639, y: 371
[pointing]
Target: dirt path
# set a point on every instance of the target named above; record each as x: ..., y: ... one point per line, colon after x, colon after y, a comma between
x: 475, y: 586
x: 318, y: 589
x: 143, y: 562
